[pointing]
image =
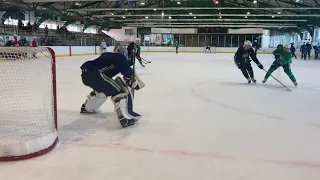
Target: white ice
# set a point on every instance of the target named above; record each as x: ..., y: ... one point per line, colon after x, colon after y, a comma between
x: 201, y: 121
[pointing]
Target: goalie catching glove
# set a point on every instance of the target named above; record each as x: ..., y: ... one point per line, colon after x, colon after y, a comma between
x: 134, y: 82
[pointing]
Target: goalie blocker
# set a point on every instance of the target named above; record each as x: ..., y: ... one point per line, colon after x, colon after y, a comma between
x: 98, y: 74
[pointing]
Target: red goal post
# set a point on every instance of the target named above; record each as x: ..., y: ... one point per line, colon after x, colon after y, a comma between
x: 28, y: 108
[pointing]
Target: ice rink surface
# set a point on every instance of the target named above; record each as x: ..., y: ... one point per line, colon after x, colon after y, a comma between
x: 201, y: 121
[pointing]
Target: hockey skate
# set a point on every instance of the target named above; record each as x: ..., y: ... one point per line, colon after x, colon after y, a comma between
x: 253, y: 80
x: 84, y: 111
x: 249, y: 81
x: 127, y: 122
x: 264, y: 81
x: 295, y: 83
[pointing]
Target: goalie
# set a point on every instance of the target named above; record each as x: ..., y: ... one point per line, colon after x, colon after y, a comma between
x: 119, y: 49
x: 98, y: 75
x: 207, y: 49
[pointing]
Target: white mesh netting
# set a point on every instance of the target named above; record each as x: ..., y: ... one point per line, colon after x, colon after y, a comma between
x: 27, y: 95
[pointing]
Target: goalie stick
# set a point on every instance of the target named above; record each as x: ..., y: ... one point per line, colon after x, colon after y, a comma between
x: 131, y: 94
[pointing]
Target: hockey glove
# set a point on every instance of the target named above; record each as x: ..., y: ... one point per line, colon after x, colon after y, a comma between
x: 278, y: 57
x: 260, y: 66
x: 131, y: 82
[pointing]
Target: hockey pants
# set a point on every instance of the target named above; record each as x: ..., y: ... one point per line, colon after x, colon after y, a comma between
x: 100, y: 82
x: 304, y: 55
x: 246, y: 69
x: 130, y: 58
x: 275, y: 65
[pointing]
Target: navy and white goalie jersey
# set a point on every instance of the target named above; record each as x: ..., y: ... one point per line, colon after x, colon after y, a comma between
x: 110, y: 64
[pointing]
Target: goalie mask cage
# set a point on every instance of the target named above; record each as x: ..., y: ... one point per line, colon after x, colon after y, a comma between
x: 28, y: 107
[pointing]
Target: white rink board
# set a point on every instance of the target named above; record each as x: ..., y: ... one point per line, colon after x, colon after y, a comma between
x: 201, y: 122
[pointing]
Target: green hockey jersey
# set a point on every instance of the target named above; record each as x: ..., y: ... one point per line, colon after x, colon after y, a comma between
x: 286, y: 57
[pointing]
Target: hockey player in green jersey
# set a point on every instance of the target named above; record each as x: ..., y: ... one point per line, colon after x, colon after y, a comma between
x: 177, y: 47
x: 283, y: 58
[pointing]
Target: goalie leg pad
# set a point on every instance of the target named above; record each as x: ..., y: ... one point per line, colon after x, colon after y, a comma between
x: 94, y: 101
x: 120, y: 105
x: 129, y: 100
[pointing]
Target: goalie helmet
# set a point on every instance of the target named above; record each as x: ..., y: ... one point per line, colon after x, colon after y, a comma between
x: 118, y: 48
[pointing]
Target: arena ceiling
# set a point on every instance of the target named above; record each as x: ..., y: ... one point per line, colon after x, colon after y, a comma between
x: 292, y: 15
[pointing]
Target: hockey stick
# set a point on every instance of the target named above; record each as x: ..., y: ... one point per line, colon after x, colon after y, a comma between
x: 133, y: 67
x: 145, y: 61
x: 278, y: 81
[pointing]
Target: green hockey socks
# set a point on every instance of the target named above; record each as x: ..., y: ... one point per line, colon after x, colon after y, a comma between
x: 288, y: 71
x: 270, y: 71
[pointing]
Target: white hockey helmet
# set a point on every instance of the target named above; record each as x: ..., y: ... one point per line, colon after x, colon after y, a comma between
x: 287, y: 47
x: 247, y: 45
x: 138, y: 40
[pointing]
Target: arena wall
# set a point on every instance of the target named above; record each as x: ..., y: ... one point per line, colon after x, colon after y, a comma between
x: 62, y: 51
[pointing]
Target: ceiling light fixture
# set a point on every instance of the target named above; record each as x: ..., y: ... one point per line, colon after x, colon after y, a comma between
x: 178, y: 2
x: 142, y: 3
x: 255, y: 2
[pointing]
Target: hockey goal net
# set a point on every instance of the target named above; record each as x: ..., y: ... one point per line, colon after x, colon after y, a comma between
x: 28, y: 108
